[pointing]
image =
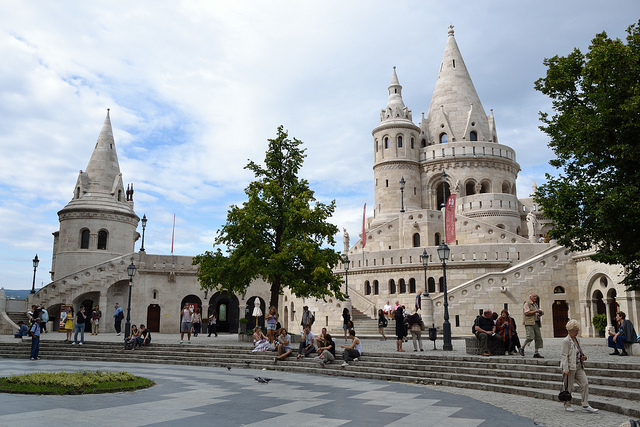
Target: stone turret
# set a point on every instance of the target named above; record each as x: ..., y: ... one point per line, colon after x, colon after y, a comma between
x: 397, y: 154
x: 99, y: 222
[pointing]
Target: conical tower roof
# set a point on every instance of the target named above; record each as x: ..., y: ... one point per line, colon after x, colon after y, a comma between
x: 395, y: 110
x: 101, y: 186
x: 455, y: 106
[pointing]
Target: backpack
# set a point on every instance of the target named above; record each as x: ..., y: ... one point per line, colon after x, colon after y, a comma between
x: 475, y: 323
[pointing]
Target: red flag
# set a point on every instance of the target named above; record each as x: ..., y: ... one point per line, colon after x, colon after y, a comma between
x: 173, y: 232
x: 364, y: 233
x: 450, y: 219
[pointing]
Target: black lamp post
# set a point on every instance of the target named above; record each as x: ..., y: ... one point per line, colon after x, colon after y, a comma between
x: 402, y: 182
x: 346, y: 275
x: 144, y: 226
x: 36, y: 261
x: 425, y: 260
x: 131, y: 271
x: 443, y: 254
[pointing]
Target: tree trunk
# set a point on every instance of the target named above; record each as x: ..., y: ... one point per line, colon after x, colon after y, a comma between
x: 275, y: 293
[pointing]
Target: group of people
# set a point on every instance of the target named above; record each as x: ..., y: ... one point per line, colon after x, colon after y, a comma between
x: 37, y: 318
x: 191, y: 322
x: 498, y: 334
x: 137, y: 338
x: 322, y: 347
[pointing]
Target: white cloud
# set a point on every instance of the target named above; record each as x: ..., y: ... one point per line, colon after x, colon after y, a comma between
x: 196, y: 89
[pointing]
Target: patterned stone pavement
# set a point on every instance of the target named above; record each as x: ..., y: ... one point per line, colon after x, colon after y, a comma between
x: 198, y: 396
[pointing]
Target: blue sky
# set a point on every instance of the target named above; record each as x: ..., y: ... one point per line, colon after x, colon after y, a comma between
x: 196, y: 89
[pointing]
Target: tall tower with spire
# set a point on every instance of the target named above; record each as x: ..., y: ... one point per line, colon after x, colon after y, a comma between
x: 99, y: 222
x: 396, y: 157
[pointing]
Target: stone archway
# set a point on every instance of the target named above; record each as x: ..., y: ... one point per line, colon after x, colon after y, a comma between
x: 226, y: 307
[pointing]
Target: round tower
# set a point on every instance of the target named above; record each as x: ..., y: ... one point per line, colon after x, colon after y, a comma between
x: 396, y: 157
x: 458, y: 137
x: 99, y: 222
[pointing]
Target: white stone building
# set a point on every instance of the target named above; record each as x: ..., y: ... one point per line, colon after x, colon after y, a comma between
x: 496, y: 260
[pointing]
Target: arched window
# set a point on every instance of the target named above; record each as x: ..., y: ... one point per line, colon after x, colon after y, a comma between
x: 431, y: 283
x: 399, y: 142
x: 377, y: 146
x: 386, y: 142
x: 392, y: 286
x: 84, y: 239
x: 403, y: 286
x: 470, y: 188
x: 437, y: 239
x: 416, y: 240
x: 412, y: 286
x: 506, y: 188
x: 423, y: 143
x: 558, y: 290
x: 447, y: 192
x: 119, y: 195
x: 102, y: 239
x: 367, y: 288
x: 412, y: 143
x: 473, y: 136
x: 444, y: 138
x: 441, y: 284
x: 376, y: 287
x: 78, y: 193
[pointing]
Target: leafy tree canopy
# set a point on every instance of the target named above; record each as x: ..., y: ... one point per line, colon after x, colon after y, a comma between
x: 595, y: 134
x: 278, y: 234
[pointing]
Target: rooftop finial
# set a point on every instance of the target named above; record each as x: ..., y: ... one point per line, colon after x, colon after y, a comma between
x: 451, y: 29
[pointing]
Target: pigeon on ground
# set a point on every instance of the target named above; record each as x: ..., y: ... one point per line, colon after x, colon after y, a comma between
x: 262, y: 380
x: 247, y: 362
x: 228, y: 368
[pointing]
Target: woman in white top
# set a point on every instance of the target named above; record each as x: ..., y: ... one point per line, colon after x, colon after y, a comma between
x: 353, y: 351
x: 572, y: 365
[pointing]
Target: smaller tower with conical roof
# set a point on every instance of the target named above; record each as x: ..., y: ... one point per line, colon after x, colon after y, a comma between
x: 99, y: 222
x: 397, y: 154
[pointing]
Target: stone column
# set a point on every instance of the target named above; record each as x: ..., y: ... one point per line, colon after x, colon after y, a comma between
x: 102, y: 303
x: 427, y: 311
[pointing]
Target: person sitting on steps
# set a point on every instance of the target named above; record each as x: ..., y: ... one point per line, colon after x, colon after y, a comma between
x: 353, y: 351
x: 306, y: 343
x: 625, y: 330
x: 484, y: 329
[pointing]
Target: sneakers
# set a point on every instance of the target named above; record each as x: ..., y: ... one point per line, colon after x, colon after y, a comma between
x: 615, y: 353
x: 522, y: 351
x: 33, y: 358
x: 80, y: 343
x: 118, y: 334
x: 624, y: 353
x: 355, y: 360
x: 275, y: 360
x: 569, y: 409
x: 74, y: 343
x: 322, y: 364
x: 180, y: 341
x: 589, y: 409
x: 538, y: 356
x: 344, y: 364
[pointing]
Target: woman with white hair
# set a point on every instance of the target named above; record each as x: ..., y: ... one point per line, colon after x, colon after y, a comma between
x: 572, y: 365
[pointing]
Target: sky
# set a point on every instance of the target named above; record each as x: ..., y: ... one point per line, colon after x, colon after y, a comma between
x: 196, y: 88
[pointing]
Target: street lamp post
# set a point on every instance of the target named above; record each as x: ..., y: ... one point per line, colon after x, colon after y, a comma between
x: 144, y: 226
x: 443, y: 254
x: 346, y: 276
x: 36, y: 261
x: 444, y: 193
x: 402, y: 182
x: 425, y: 260
x: 131, y: 271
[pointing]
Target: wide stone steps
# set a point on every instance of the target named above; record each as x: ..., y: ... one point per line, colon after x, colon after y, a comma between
x: 613, y: 386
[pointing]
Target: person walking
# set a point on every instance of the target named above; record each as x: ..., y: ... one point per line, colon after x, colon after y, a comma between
x: 532, y: 314
x: 35, y: 339
x: 96, y: 314
x: 382, y: 323
x: 185, y: 323
x: 44, y: 318
x: 81, y: 317
x: 213, y: 320
x: 117, y: 317
x: 572, y: 366
x: 196, y: 321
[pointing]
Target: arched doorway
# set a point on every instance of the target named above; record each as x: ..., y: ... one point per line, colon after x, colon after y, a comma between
x: 153, y: 318
x: 226, y: 307
x: 560, y: 312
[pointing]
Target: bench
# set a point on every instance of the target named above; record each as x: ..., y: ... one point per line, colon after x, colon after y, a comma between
x: 632, y: 348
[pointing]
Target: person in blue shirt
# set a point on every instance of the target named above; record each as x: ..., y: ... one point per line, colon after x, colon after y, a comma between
x: 22, y: 332
x: 35, y: 339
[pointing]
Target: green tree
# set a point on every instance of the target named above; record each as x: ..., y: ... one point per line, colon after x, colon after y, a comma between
x: 280, y: 233
x: 595, y: 135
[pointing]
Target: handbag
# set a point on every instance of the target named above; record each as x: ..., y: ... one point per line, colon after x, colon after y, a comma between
x: 565, y: 395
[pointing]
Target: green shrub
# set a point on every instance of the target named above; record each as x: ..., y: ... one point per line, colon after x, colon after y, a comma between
x: 600, y: 322
x: 82, y: 382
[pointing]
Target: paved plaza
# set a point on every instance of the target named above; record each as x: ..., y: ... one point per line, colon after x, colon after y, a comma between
x: 200, y: 396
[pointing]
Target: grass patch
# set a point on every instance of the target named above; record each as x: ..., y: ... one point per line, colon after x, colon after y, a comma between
x: 83, y: 382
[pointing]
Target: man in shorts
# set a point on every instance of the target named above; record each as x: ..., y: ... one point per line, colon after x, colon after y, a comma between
x: 185, y: 324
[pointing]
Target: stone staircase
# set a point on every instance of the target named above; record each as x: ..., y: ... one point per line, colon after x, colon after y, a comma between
x: 613, y: 386
x: 365, y: 326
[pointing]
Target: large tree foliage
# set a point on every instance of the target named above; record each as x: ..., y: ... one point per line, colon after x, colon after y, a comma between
x: 595, y: 134
x: 280, y: 233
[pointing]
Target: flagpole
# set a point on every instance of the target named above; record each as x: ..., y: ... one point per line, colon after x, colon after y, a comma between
x: 173, y: 232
